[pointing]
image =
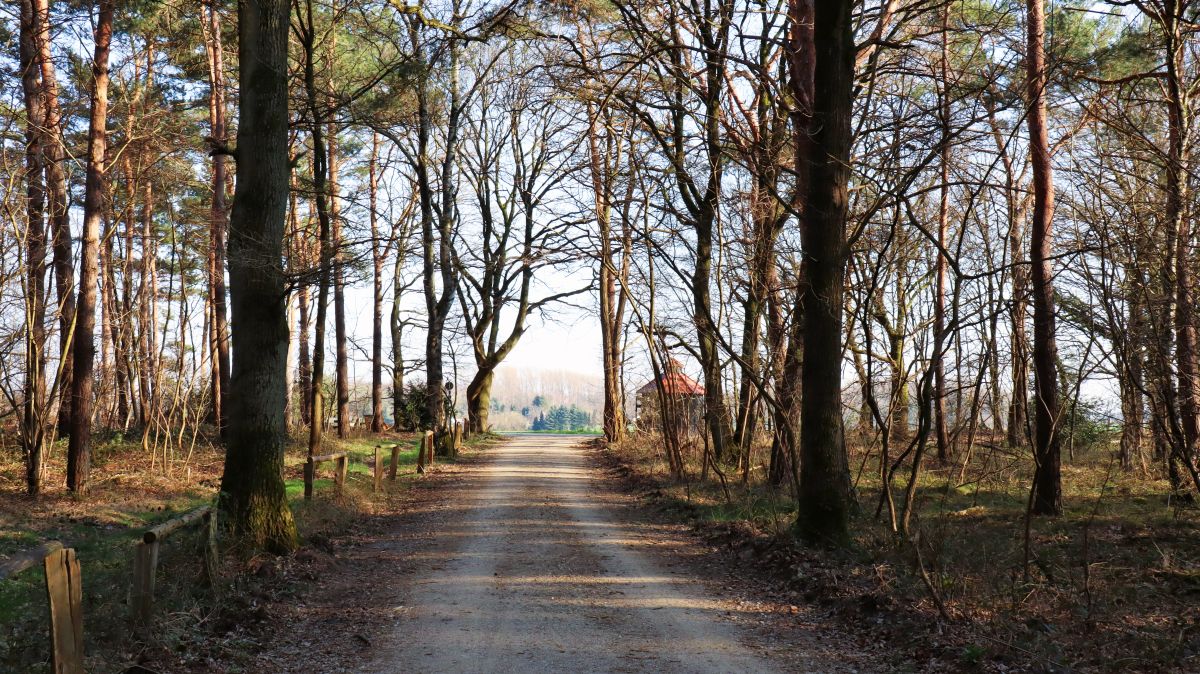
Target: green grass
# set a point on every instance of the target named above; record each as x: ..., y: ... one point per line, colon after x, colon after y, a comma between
x: 105, y: 553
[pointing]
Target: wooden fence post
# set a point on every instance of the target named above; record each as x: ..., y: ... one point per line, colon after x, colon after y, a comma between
x: 458, y: 437
x: 340, y: 477
x: 395, y: 462
x: 378, y: 468
x: 421, y: 454
x: 310, y: 470
x: 208, y: 538
x: 145, y: 564
x: 431, y: 443
x: 65, y: 594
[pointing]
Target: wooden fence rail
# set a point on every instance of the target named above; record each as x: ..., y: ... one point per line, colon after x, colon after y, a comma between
x: 64, y: 593
x: 339, y: 477
x: 145, y: 559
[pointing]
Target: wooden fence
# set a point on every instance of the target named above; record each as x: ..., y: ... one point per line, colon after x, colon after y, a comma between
x: 64, y: 589
x: 424, y: 458
x: 342, y: 460
x: 64, y: 592
x: 64, y: 583
x: 145, y: 559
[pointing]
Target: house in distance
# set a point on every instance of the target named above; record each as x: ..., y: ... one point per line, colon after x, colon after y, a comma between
x: 671, y: 402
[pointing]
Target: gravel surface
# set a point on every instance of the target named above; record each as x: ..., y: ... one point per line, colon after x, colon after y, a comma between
x: 531, y: 574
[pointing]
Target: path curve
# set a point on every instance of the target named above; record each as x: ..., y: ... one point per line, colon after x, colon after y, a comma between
x: 531, y: 571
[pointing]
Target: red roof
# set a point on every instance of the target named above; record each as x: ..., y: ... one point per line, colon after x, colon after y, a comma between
x: 675, y: 382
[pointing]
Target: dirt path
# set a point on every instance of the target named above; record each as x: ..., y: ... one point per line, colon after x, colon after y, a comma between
x: 527, y: 558
x: 531, y: 571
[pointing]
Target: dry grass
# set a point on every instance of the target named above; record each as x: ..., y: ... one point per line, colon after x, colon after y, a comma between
x: 1112, y: 585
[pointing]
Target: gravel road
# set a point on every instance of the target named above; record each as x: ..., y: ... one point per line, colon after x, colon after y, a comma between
x: 532, y: 570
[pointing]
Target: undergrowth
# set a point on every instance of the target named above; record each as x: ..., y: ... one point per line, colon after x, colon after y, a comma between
x: 1112, y: 585
x: 130, y: 493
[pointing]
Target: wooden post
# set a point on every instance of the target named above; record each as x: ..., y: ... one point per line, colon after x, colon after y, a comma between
x: 458, y: 437
x: 340, y: 477
x: 208, y: 539
x: 65, y: 594
x: 395, y: 462
x: 421, y: 453
x: 141, y: 599
x: 431, y: 444
x: 378, y: 468
x: 310, y: 470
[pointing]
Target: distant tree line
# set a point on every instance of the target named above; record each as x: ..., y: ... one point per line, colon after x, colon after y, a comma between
x: 561, y: 418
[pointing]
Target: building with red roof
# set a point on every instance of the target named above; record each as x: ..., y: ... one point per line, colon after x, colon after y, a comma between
x: 683, y: 398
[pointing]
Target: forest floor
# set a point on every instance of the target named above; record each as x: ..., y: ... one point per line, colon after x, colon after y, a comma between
x: 132, y: 490
x: 1111, y: 586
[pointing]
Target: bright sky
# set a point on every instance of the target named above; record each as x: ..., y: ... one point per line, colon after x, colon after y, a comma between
x: 566, y: 338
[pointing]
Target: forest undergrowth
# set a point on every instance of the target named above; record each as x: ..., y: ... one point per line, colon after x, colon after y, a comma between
x: 194, y: 624
x: 1111, y: 586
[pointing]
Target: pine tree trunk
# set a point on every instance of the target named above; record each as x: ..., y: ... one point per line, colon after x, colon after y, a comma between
x: 397, y: 328
x: 254, y: 500
x: 35, y: 407
x: 1047, y: 488
x: 377, y: 256
x: 304, y: 360
x: 1187, y: 351
x: 342, y: 356
x: 79, y: 448
x: 147, y: 299
x: 218, y: 214
x: 59, y: 207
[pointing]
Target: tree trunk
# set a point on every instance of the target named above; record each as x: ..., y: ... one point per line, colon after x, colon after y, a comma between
x: 1177, y: 171
x: 436, y: 238
x: 610, y: 328
x: 479, y: 400
x: 254, y: 500
x: 342, y: 373
x: 397, y: 337
x: 217, y: 221
x: 319, y: 159
x: 939, y: 298
x: 716, y: 413
x: 35, y: 407
x: 147, y: 299
x: 377, y: 255
x: 304, y: 359
x: 59, y: 207
x: 79, y: 448
x: 823, y: 165
x: 1047, y: 487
